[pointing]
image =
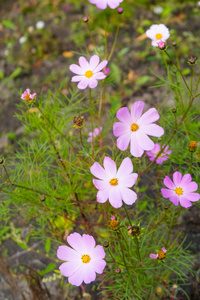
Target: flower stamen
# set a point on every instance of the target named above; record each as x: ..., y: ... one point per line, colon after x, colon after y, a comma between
x: 88, y: 74
x: 134, y: 127
x: 179, y: 191
x: 85, y: 259
x: 27, y: 97
x: 114, y: 181
x: 159, y: 36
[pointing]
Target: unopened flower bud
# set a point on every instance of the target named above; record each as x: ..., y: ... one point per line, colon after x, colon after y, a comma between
x: 106, y: 244
x: 174, y: 110
x: 161, y: 45
x: 192, y: 146
x: 42, y: 198
x: 112, y: 217
x: 1, y: 161
x: 106, y: 71
x: 85, y: 19
x: 120, y: 10
x: 134, y: 230
x: 192, y: 60
x: 118, y: 271
x: 174, y: 44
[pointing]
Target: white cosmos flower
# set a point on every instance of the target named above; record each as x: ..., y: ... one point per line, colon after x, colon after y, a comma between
x: 158, y: 33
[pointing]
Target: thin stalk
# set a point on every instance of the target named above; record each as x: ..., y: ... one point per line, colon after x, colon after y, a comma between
x: 124, y: 206
x: 81, y: 139
x: 191, y: 162
x: 105, y: 29
x: 64, y: 136
x: 6, y: 173
x: 137, y: 247
x: 114, y: 43
x: 93, y: 40
x: 179, y: 71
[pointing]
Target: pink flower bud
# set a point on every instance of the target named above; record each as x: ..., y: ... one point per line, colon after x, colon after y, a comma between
x: 161, y: 45
x: 112, y: 218
x: 120, y: 10
x: 85, y: 19
x: 106, y: 71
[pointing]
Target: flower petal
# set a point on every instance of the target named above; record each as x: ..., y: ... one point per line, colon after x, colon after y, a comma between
x: 83, y: 83
x: 98, y: 171
x: 101, y: 184
x: 124, y: 116
x: 98, y: 253
x: 77, y: 78
x: 70, y: 267
x: 120, y: 128
x: 125, y: 168
x: 89, y: 243
x: 136, y: 110
x: 99, y: 75
x: 115, y: 198
x: 127, y: 180
x: 68, y: 254
x: 148, y: 117
x: 123, y: 141
x: 100, y: 66
x: 168, y: 183
x: 76, y: 69
x: 89, y: 274
x: 167, y: 193
x: 135, y: 148
x: 192, y: 196
x: 174, y: 199
x: 92, y: 83
x: 184, y: 202
x: 144, y: 141
x: 77, y: 277
x: 154, y: 256
x: 153, y: 130
x: 102, y: 196
x: 75, y: 240
x: 110, y: 167
x: 94, y: 61
x: 128, y: 196
x: 84, y: 64
x: 177, y: 178
x: 191, y: 187
x: 98, y: 266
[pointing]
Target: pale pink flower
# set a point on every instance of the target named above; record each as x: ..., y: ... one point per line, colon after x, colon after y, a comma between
x: 134, y: 128
x: 94, y: 134
x: 88, y: 72
x: 83, y: 260
x: 159, y: 255
x: 102, y: 4
x: 28, y: 96
x: 180, y: 190
x: 114, y: 185
x: 158, y: 33
x: 162, y: 157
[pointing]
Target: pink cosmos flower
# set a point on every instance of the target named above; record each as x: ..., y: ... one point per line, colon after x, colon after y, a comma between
x: 180, y: 190
x: 159, y: 255
x: 28, y: 96
x: 88, y: 72
x: 134, y: 128
x: 114, y: 185
x: 158, y: 33
x: 162, y: 157
x: 83, y: 260
x: 102, y: 4
x: 93, y: 134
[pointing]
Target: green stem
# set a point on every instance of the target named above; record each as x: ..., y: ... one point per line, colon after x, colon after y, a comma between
x: 81, y: 139
x: 137, y: 247
x: 191, y: 162
x: 114, y: 43
x: 105, y: 29
x: 91, y: 36
x: 124, y: 206
x: 179, y: 71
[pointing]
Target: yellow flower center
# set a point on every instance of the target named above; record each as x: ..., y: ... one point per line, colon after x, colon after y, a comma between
x: 134, y: 127
x: 114, y: 181
x: 179, y: 191
x: 161, y: 254
x: 88, y: 74
x: 193, y: 144
x: 27, y: 97
x: 85, y: 259
x: 159, y: 36
x: 114, y: 223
